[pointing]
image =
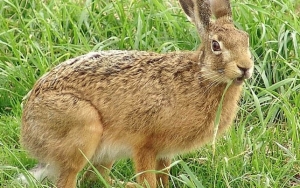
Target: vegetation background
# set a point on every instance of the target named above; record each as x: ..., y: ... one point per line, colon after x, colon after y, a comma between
x: 263, y: 147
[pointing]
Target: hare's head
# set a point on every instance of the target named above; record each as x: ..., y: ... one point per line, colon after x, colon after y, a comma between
x: 225, y: 54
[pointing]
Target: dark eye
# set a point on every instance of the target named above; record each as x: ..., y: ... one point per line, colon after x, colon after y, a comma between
x: 215, y: 46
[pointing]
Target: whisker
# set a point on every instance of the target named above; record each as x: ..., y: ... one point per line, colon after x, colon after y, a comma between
x: 215, y: 81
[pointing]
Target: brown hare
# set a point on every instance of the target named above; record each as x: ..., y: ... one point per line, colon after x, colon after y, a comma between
x: 108, y: 105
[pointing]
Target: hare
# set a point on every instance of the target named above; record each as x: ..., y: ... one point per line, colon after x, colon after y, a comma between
x: 108, y: 105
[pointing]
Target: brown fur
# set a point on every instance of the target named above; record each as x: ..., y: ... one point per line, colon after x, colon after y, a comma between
x: 108, y: 105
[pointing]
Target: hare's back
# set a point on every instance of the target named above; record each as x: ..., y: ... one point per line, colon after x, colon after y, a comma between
x: 95, y: 67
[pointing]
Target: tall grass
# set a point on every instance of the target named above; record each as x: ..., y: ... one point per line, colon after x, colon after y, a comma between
x: 261, y: 149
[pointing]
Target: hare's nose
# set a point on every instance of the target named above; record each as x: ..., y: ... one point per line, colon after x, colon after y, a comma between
x: 246, y: 72
x: 243, y: 69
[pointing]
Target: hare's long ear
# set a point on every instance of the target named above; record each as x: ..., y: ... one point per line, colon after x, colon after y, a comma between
x: 198, y: 12
x: 221, y: 8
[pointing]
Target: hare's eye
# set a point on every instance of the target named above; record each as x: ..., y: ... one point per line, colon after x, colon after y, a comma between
x: 215, y: 46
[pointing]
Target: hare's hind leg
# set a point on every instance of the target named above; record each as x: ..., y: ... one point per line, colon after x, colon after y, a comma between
x: 80, y: 143
x: 63, y: 131
x: 40, y: 173
x: 103, y: 169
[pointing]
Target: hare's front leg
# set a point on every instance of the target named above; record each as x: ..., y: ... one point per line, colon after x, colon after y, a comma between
x: 145, y: 160
x: 163, y: 177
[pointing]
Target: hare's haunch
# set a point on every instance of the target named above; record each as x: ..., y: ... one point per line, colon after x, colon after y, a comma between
x: 104, y: 106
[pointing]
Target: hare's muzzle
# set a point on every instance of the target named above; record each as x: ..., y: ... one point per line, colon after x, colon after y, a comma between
x: 246, y: 73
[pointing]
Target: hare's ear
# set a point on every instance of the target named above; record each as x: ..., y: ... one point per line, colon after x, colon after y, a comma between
x: 221, y: 8
x: 198, y: 12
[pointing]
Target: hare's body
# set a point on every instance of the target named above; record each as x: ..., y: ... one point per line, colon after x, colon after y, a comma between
x: 104, y: 106
x: 137, y: 103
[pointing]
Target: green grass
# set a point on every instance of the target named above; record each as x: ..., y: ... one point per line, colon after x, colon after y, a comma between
x: 261, y: 149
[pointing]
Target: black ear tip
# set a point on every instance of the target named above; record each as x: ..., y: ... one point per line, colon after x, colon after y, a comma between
x: 199, y: 12
x: 221, y: 8
x: 187, y: 6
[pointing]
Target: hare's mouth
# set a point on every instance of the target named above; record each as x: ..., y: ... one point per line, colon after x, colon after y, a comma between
x: 239, y: 80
